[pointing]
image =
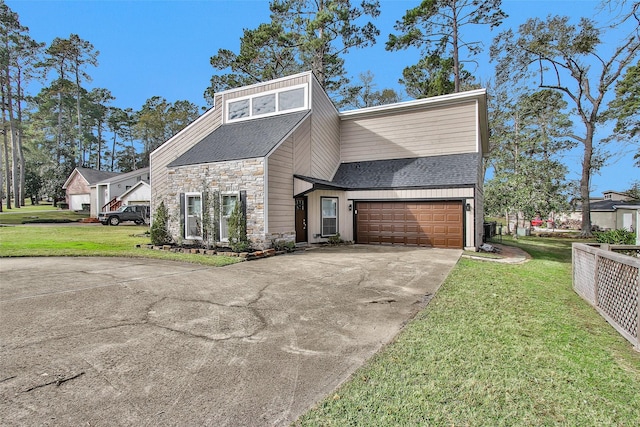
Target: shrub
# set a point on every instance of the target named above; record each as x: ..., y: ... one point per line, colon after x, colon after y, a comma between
x: 238, y: 230
x: 159, y: 232
x: 335, y: 240
x: 616, y: 237
x: 283, y: 245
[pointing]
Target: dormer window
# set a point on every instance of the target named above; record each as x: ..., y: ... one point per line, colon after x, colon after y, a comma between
x: 279, y: 101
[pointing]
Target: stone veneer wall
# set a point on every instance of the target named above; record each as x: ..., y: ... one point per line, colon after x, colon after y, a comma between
x: 230, y: 176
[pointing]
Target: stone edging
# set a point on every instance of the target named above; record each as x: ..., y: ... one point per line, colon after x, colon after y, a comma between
x: 245, y: 256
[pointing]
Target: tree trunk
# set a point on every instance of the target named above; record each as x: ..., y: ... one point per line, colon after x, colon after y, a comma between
x: 454, y: 41
x: 7, y: 169
x: 81, y: 151
x: 20, y: 134
x: 585, y: 181
x: 13, y: 136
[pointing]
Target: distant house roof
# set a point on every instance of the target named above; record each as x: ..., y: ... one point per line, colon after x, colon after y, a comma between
x: 242, y: 140
x: 612, y: 205
x: 454, y: 170
x: 92, y: 176
x: 124, y: 176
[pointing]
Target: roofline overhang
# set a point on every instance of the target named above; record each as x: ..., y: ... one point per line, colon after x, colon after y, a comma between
x: 73, y: 173
x: 415, y: 104
x: 329, y: 186
x: 626, y: 207
x: 256, y: 85
x: 288, y: 134
x: 217, y: 161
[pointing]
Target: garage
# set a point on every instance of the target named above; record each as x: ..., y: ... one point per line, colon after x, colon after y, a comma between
x: 436, y: 224
x: 77, y: 200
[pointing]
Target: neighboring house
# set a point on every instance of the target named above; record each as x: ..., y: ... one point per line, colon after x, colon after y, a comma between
x: 77, y: 186
x: 615, y: 195
x: 408, y: 173
x: 139, y: 194
x: 105, y: 194
x: 613, y: 211
x: 612, y: 214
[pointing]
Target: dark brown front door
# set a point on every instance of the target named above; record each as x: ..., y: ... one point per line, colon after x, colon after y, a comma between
x: 437, y: 224
x: 301, y: 219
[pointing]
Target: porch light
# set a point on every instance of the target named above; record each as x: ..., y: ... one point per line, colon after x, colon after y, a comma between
x: 468, y: 207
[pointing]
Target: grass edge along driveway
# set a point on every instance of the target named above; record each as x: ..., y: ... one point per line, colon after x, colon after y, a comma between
x: 91, y: 240
x: 498, y: 345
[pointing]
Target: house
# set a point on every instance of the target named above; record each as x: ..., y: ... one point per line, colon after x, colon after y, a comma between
x: 611, y: 214
x: 139, y: 194
x: 405, y: 174
x: 105, y: 194
x: 77, y: 186
x: 613, y: 211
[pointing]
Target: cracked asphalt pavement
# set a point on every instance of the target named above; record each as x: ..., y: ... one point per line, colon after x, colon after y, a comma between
x: 113, y: 341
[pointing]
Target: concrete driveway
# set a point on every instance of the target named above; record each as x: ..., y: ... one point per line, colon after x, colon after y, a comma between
x: 99, y: 341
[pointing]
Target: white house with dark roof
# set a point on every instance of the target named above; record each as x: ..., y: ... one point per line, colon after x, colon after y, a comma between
x: 77, y: 186
x: 402, y: 174
x: 106, y: 194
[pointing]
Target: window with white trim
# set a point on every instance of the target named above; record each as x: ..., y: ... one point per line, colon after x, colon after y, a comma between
x: 193, y: 216
x: 329, y: 216
x: 264, y: 104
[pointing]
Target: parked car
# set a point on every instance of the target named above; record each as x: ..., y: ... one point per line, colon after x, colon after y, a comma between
x: 136, y: 213
x: 536, y: 222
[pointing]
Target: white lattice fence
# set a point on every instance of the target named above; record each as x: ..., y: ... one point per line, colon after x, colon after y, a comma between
x: 610, y: 282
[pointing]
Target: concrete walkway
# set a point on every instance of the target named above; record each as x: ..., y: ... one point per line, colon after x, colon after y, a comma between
x: 108, y: 341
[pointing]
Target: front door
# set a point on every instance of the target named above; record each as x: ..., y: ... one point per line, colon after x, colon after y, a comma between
x: 301, y: 219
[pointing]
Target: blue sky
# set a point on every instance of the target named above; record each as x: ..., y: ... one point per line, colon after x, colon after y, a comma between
x: 162, y: 47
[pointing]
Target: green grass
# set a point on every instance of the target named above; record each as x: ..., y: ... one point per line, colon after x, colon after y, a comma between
x: 38, y: 212
x: 499, y: 345
x: 91, y: 240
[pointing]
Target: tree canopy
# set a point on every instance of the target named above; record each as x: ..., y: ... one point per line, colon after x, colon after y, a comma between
x: 436, y: 28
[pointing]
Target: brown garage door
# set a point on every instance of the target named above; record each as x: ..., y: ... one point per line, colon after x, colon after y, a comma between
x: 437, y: 224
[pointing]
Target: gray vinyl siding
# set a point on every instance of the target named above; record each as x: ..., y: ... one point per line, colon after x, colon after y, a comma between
x: 178, y: 145
x: 281, y: 209
x: 325, y: 134
x: 445, y: 129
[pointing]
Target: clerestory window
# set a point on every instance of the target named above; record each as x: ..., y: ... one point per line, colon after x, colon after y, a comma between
x: 280, y: 101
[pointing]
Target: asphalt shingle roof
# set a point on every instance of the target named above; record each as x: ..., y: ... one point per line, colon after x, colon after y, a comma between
x: 436, y: 171
x: 93, y: 175
x: 242, y: 140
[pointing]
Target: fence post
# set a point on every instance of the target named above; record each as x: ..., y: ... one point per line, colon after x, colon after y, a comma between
x: 596, y: 290
x: 638, y: 317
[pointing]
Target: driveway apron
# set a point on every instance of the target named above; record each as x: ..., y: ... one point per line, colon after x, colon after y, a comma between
x: 112, y: 341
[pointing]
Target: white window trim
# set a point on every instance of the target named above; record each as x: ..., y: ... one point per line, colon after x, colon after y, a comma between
x: 304, y: 107
x: 186, y: 216
x: 322, y: 217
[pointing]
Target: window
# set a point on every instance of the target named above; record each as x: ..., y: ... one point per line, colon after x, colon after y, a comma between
x: 193, y: 216
x: 239, y: 109
x: 291, y: 99
x: 329, y: 216
x: 264, y: 104
x: 288, y: 99
x: 228, y: 204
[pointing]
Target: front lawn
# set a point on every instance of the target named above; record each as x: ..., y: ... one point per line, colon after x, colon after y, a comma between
x: 42, y: 213
x: 91, y: 240
x: 498, y: 345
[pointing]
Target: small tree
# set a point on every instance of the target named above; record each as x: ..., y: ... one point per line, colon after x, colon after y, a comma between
x: 238, y: 229
x: 159, y: 232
